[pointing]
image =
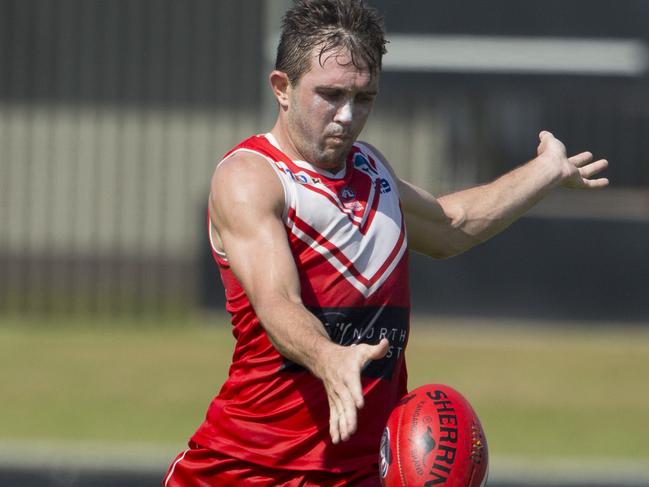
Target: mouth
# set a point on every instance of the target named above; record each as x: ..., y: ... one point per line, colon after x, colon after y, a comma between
x: 338, y: 138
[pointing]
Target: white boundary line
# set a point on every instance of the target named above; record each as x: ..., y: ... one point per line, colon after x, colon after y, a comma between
x: 87, y: 455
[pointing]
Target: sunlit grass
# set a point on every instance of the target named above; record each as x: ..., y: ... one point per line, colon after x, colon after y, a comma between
x: 544, y: 390
x: 539, y: 390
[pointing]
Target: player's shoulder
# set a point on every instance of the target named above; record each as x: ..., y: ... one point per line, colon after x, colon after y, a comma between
x: 243, y: 166
x: 245, y: 174
x: 242, y: 160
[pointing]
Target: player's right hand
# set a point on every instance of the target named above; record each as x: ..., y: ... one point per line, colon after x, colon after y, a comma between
x: 341, y: 376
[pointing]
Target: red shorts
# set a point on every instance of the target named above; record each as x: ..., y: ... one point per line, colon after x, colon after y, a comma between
x: 201, y: 467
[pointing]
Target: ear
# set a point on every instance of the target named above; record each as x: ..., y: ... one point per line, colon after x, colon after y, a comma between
x: 281, y: 86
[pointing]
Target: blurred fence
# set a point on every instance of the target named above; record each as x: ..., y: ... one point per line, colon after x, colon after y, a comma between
x: 113, y: 114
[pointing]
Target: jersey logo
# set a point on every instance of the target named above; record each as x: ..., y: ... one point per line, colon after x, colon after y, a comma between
x: 301, y: 177
x: 347, y: 193
x: 348, y: 326
x: 385, y: 186
x: 362, y: 163
x: 367, y: 165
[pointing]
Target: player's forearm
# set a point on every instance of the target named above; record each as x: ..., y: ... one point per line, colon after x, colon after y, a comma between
x: 479, y: 213
x: 294, y: 332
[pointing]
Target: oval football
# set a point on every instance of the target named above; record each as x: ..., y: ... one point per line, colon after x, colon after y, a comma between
x: 432, y: 438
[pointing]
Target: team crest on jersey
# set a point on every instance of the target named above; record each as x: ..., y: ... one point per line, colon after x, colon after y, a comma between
x: 349, y: 201
x: 347, y: 194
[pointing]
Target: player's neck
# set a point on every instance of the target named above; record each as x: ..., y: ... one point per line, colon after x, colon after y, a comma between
x: 287, y: 145
x: 285, y: 141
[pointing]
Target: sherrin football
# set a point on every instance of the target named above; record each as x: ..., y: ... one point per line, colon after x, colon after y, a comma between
x: 433, y: 438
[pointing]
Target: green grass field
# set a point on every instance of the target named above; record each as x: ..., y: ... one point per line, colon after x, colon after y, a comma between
x: 549, y: 391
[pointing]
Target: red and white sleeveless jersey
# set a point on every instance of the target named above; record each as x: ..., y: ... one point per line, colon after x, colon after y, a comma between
x: 347, y: 235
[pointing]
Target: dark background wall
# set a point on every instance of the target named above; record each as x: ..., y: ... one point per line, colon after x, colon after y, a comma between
x: 106, y: 214
x: 193, y: 54
x: 590, y: 270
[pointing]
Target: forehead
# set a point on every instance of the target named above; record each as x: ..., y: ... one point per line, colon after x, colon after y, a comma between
x: 335, y: 67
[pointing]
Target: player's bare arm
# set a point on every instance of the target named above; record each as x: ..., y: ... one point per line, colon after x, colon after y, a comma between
x: 246, y: 205
x: 449, y: 225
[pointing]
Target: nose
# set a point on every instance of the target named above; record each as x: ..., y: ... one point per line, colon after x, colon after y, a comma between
x: 344, y: 114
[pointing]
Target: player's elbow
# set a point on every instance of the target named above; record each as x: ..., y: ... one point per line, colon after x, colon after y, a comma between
x: 459, y: 237
x: 449, y: 244
x: 445, y: 252
x: 434, y: 249
x: 443, y: 238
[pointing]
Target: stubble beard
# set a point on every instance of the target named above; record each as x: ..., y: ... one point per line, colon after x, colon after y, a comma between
x: 333, y: 158
x: 316, y: 149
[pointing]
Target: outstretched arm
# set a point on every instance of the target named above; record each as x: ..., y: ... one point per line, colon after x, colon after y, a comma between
x: 246, y: 204
x: 449, y: 225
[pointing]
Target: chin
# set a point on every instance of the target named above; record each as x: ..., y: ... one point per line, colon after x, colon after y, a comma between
x: 334, y: 157
x: 333, y: 160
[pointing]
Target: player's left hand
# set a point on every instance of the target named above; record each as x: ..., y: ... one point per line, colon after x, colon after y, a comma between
x: 341, y: 376
x: 577, y: 171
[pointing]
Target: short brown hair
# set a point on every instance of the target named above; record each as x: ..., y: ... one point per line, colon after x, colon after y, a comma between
x: 330, y: 24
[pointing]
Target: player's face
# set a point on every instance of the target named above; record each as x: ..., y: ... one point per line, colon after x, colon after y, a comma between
x: 328, y: 108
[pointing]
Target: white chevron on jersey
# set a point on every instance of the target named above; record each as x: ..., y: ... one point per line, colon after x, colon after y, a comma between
x: 349, y: 259
x: 364, y: 245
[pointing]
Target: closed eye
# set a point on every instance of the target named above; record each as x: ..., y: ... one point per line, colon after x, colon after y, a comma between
x: 365, y: 97
x: 331, y: 94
